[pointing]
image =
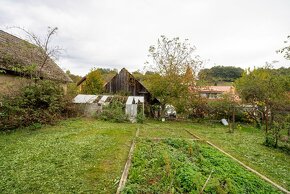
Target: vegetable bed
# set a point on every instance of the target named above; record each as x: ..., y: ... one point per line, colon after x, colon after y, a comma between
x: 183, y: 166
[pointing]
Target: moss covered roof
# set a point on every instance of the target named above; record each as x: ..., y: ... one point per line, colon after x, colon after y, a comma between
x: 18, y: 55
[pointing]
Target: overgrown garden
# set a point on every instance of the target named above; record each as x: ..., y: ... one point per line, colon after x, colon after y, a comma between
x: 165, y: 159
x: 183, y: 166
x: 93, y: 154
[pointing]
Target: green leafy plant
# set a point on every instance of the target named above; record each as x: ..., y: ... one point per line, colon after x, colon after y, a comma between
x: 113, y: 112
x: 38, y: 103
x: 183, y: 166
x: 94, y: 83
x: 140, y: 117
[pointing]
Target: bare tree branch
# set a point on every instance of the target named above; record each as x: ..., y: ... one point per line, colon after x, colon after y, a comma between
x: 42, y: 51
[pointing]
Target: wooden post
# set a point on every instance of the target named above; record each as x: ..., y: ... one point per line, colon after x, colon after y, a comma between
x: 234, y: 118
x: 206, y: 182
x: 244, y: 165
x: 250, y: 169
x: 125, y: 174
x: 143, y: 110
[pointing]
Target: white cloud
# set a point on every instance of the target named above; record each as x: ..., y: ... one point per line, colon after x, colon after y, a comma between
x: 117, y: 34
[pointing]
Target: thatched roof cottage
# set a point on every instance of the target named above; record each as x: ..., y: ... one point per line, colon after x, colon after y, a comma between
x: 17, y: 57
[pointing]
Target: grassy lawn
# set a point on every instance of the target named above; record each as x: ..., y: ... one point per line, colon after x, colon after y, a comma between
x: 156, y: 129
x: 74, y: 156
x: 88, y: 156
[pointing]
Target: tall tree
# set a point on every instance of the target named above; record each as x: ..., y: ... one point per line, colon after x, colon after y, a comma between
x: 94, y: 83
x: 75, y: 78
x: 264, y: 90
x: 286, y: 49
x: 172, y: 58
x: 72, y: 88
x: 44, y: 48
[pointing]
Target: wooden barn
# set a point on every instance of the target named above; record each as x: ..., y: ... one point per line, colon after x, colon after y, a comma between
x: 125, y: 83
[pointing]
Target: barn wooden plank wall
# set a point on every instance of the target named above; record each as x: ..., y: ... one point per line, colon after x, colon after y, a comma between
x: 126, y: 82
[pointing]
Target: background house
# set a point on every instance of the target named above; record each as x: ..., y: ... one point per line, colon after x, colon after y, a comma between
x: 19, y: 60
x: 215, y: 92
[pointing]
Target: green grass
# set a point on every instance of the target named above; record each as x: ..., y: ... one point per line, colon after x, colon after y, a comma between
x: 182, y: 166
x: 155, y: 129
x: 74, y: 156
x: 246, y: 144
x: 88, y: 156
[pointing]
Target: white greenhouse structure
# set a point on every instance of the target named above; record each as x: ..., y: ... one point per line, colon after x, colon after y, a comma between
x: 92, y: 104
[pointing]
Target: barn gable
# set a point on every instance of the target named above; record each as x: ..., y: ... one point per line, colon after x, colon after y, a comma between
x: 125, y: 82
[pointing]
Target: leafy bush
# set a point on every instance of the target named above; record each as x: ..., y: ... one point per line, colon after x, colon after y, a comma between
x: 140, y: 117
x: 41, y: 102
x: 280, y: 125
x: 270, y: 140
x: 113, y: 112
x: 219, y: 109
x: 94, y: 82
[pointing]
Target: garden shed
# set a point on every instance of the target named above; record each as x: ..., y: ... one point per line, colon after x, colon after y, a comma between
x: 92, y: 104
x: 84, y: 98
x: 133, y: 104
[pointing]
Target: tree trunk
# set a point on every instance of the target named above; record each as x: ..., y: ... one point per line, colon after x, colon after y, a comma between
x: 266, y: 123
x: 266, y: 119
x: 234, y: 119
x: 162, y: 110
x: 255, y: 118
x: 230, y: 127
x: 276, y: 138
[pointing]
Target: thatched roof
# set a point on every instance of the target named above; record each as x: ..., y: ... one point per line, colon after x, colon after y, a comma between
x: 17, y: 55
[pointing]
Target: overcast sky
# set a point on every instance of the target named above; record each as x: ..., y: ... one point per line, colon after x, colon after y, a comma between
x: 116, y: 34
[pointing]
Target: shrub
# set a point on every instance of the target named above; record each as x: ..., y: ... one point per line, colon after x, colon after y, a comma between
x: 42, y: 102
x: 270, y: 140
x: 140, y: 117
x: 218, y: 109
x: 279, y: 126
x: 94, y: 82
x: 113, y: 112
